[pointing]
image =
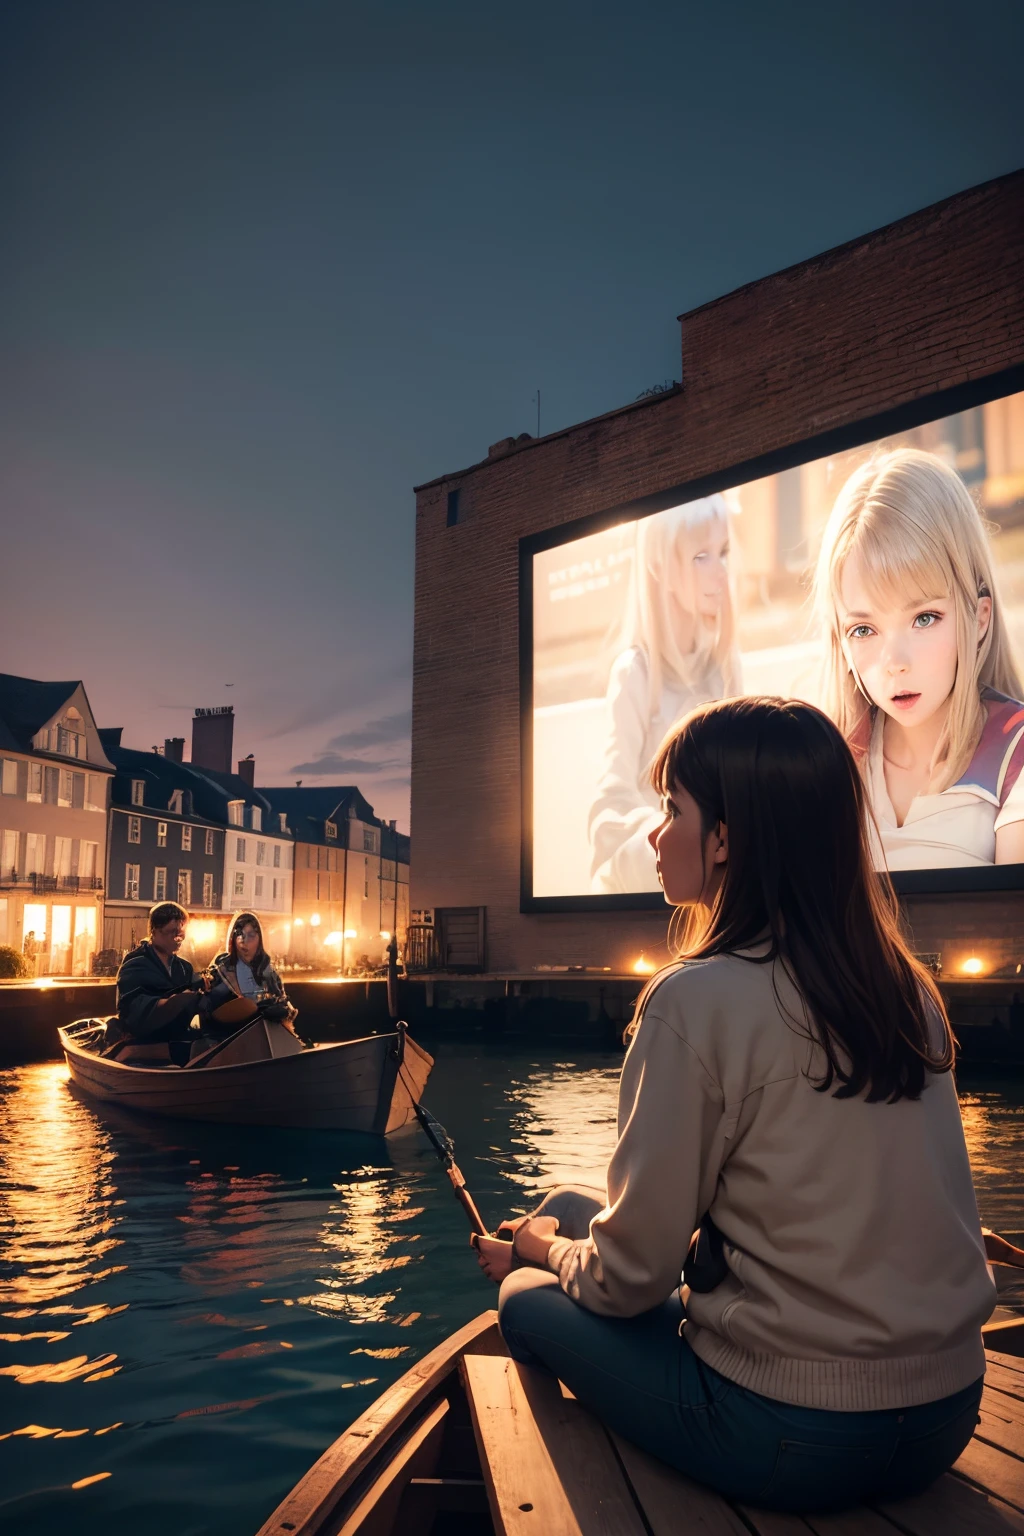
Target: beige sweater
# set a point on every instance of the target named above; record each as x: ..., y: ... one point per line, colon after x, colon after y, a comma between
x: 857, y: 1276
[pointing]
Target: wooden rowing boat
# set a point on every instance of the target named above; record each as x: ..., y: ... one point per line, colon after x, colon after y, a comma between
x: 468, y: 1443
x: 264, y: 1077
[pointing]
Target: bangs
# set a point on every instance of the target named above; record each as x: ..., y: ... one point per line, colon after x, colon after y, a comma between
x: 902, y: 563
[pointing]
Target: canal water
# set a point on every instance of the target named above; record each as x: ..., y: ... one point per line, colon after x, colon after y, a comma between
x: 189, y: 1315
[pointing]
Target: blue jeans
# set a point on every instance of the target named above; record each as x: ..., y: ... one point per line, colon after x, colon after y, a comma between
x: 643, y: 1380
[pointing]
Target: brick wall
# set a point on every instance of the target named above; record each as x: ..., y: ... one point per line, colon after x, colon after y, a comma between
x: 926, y: 304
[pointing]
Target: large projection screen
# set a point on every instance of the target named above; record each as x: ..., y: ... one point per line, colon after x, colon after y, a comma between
x: 669, y: 584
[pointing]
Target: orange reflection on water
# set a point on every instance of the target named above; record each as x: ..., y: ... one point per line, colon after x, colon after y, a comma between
x: 359, y: 1243
x: 56, y: 1213
x: 564, y: 1128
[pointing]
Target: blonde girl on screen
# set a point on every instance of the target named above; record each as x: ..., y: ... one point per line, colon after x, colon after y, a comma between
x: 920, y: 676
x: 678, y: 651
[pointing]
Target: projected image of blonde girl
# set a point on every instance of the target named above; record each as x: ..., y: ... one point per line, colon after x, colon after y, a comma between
x: 678, y: 650
x: 921, y: 678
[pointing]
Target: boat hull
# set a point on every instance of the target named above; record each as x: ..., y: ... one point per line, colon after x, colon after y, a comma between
x: 354, y: 1085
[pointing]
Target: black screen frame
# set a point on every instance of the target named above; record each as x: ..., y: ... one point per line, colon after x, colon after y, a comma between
x: 916, y: 413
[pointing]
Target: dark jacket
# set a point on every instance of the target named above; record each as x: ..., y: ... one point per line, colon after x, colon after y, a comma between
x: 141, y: 982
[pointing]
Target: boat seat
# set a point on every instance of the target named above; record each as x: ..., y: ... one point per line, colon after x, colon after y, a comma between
x: 552, y: 1469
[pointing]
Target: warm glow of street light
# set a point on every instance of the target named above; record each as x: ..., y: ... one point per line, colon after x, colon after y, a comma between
x: 643, y: 966
x: 351, y: 933
x: 298, y: 922
x: 385, y: 935
x: 333, y: 938
x: 44, y: 983
x: 973, y: 966
x: 314, y: 921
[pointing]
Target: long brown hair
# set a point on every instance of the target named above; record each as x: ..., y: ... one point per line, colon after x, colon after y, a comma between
x: 781, y: 778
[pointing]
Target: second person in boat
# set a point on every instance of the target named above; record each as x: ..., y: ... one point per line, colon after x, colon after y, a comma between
x: 245, y: 970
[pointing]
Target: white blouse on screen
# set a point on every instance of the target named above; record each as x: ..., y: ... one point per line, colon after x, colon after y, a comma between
x: 954, y: 829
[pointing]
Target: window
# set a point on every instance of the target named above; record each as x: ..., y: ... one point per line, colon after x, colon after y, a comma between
x: 235, y: 808
x: 65, y: 786
x: 186, y: 839
x: 283, y: 820
x: 51, y: 783
x: 209, y: 841
x: 35, y: 782
x: 135, y: 829
x: 258, y: 886
x: 138, y: 791
x: 331, y: 830
x: 366, y: 878
x: 239, y: 883
x: 453, y: 508
x: 240, y: 849
x: 34, y: 918
x: 369, y: 840
x: 257, y: 818
x: 174, y: 803
x: 78, y: 790
x: 161, y: 834
x: 95, y: 792
x: 207, y: 890
x: 9, y: 777
x: 185, y: 887
x: 8, y: 854
x: 35, y: 853
x: 261, y: 853
x: 131, y: 882
x: 62, y: 857
x: 160, y: 884
x: 276, y: 883
x: 88, y: 857
x: 277, y: 855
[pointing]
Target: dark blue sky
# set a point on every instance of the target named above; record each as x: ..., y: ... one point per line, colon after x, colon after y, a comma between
x: 265, y: 265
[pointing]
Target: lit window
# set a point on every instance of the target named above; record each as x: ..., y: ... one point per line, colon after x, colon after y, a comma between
x: 135, y: 829
x: 240, y: 849
x: 186, y: 839
x: 209, y: 840
x: 161, y: 834
x: 159, y: 885
x: 8, y: 855
x: 131, y: 882
x: 185, y: 887
x: 331, y: 829
x: 207, y: 890
x: 369, y: 846
x: 138, y: 791
x: 88, y: 858
x: 9, y: 777
x: 35, y: 782
x: 239, y: 883
x: 174, y: 803
x: 261, y: 853
x: 258, y: 886
x: 95, y: 792
x: 235, y: 809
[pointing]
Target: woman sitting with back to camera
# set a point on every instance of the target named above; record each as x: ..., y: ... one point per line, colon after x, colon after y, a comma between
x: 787, y: 1088
x: 245, y: 970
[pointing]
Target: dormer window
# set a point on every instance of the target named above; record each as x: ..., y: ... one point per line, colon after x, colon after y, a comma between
x: 331, y: 830
x: 283, y: 819
x: 174, y: 803
x: 257, y: 818
x: 138, y: 791
x: 235, y: 813
x: 66, y: 739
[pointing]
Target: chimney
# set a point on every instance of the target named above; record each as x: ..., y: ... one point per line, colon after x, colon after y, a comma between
x: 213, y: 732
x: 174, y: 749
x: 247, y: 770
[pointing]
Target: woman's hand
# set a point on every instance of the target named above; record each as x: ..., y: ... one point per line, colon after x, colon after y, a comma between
x: 493, y: 1256
x: 533, y: 1239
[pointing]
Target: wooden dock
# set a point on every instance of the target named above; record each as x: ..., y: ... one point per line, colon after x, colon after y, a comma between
x: 468, y: 1443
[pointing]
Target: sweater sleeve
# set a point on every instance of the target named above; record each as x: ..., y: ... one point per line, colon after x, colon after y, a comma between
x: 670, y: 1109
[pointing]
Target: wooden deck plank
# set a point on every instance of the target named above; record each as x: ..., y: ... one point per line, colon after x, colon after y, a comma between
x: 769, y: 1522
x: 954, y: 1508
x: 546, y: 1461
x: 374, y: 1515
x: 1006, y: 1381
x: 994, y: 1470
x: 1010, y: 1362
x: 672, y: 1504
x: 1000, y: 1422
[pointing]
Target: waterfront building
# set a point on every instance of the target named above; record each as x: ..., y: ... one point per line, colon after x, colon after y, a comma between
x: 351, y: 889
x: 913, y: 334
x: 163, y: 846
x: 54, y: 787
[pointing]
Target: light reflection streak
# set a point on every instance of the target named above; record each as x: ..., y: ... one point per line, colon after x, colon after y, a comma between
x: 56, y: 1194
x: 563, y: 1130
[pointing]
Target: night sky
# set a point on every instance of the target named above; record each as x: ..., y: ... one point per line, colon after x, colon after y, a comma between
x: 265, y: 266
